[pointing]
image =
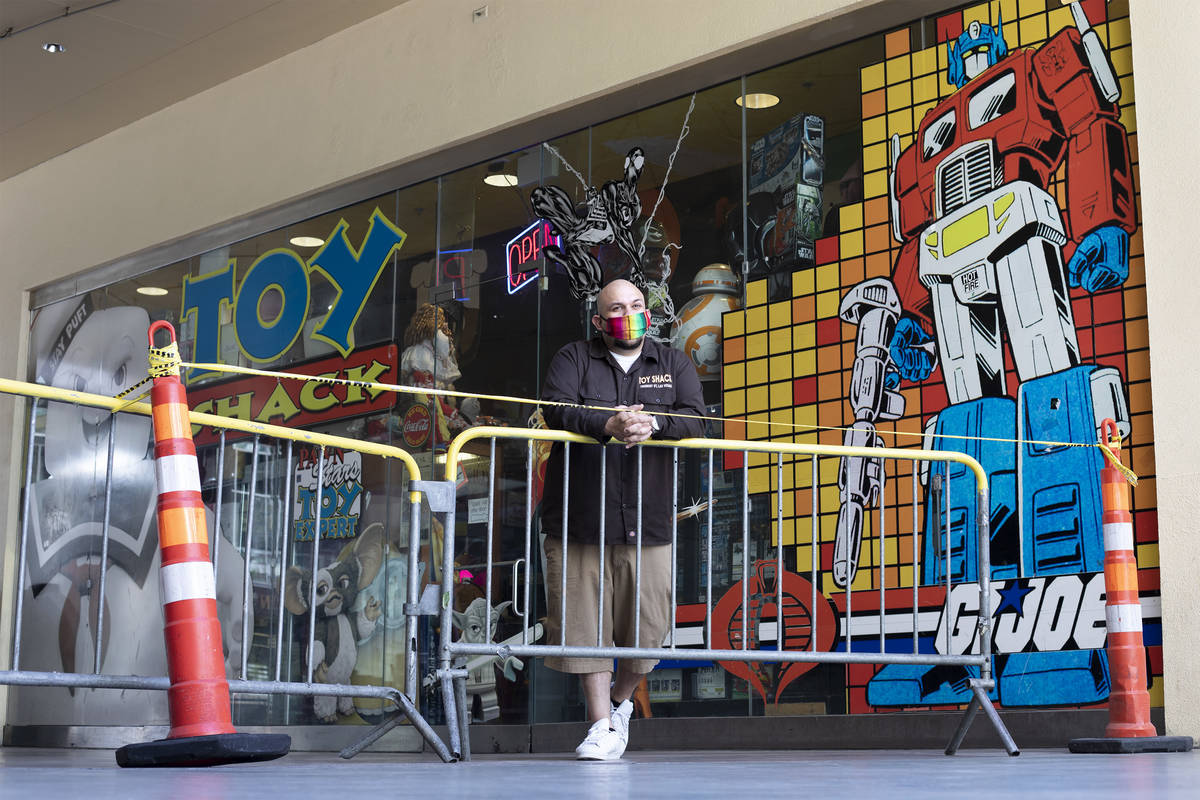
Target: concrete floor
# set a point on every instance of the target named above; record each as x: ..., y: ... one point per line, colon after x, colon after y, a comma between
x: 47, y: 774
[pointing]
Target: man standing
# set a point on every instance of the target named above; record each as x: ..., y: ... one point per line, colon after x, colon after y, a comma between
x: 639, y: 380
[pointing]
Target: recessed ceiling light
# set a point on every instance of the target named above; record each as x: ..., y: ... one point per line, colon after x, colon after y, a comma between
x: 500, y: 179
x: 758, y: 100
x: 53, y: 47
x: 306, y: 241
x: 153, y: 291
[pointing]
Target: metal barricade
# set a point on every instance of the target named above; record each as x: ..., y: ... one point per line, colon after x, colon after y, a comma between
x: 453, y: 655
x: 452, y: 673
x: 406, y: 701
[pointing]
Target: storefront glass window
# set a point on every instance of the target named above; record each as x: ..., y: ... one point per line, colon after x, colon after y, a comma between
x: 767, y: 205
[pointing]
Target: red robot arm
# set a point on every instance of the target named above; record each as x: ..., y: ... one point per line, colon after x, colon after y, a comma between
x: 914, y: 297
x: 912, y: 208
x: 1099, y: 177
x: 912, y: 214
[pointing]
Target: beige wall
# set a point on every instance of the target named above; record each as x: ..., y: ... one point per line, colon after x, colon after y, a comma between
x: 424, y: 76
x: 1166, y: 78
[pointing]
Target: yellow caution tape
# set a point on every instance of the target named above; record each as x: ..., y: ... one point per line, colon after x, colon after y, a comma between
x: 168, y: 359
x: 1116, y: 462
x: 164, y: 361
x: 126, y: 392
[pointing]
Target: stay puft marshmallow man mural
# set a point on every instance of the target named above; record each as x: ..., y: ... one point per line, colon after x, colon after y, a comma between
x: 78, y: 345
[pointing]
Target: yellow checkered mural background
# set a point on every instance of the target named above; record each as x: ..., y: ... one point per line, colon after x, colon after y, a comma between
x: 787, y: 363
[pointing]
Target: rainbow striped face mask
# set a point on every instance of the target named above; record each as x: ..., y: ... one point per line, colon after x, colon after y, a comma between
x: 629, y: 328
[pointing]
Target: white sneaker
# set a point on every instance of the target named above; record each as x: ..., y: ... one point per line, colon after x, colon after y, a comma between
x: 620, y: 721
x: 602, y: 744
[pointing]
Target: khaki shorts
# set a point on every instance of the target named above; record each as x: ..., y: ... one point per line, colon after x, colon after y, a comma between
x: 583, y: 600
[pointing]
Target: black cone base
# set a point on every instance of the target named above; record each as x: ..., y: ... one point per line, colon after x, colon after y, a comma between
x: 205, y: 751
x: 1132, y: 744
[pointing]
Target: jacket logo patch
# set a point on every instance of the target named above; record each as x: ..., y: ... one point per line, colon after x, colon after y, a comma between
x: 659, y: 381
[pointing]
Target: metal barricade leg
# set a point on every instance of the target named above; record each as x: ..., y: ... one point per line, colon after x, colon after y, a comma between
x: 409, y: 711
x: 979, y: 699
x: 464, y: 713
x: 284, y: 537
x: 963, y: 725
x: 410, y: 617
x: 450, y: 708
x: 102, y: 596
x: 979, y: 686
x: 986, y: 703
x: 23, y: 557
x: 441, y: 498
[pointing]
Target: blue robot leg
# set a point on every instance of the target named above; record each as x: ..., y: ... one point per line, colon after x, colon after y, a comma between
x: 983, y: 420
x: 984, y: 430
x: 1061, y: 516
x: 1061, y: 509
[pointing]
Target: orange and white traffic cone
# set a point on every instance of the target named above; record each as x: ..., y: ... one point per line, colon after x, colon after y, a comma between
x: 1129, y: 728
x: 202, y: 731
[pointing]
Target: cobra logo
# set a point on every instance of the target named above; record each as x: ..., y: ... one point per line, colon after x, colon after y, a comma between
x: 794, y: 626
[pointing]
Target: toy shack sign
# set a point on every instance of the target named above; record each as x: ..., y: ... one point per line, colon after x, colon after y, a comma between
x: 278, y: 282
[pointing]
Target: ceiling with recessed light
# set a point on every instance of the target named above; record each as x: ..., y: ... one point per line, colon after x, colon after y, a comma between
x: 125, y: 59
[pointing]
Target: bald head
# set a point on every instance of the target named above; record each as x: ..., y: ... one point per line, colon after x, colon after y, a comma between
x: 620, y: 298
x: 619, y: 291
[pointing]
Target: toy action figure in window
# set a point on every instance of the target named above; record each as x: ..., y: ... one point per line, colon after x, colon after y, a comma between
x: 606, y: 217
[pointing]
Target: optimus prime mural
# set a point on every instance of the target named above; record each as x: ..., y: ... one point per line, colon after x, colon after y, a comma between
x: 983, y: 297
x: 988, y: 258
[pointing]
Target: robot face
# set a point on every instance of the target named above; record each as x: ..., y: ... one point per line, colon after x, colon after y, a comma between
x: 977, y: 48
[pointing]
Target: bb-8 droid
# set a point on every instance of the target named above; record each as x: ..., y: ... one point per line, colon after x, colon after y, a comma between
x: 697, y: 330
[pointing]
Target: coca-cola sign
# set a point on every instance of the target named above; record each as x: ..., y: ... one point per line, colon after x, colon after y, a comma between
x: 417, y: 425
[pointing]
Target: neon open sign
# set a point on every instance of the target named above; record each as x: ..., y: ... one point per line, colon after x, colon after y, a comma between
x: 524, y: 251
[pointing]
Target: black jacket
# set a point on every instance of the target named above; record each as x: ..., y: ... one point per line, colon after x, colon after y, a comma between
x: 662, y: 379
